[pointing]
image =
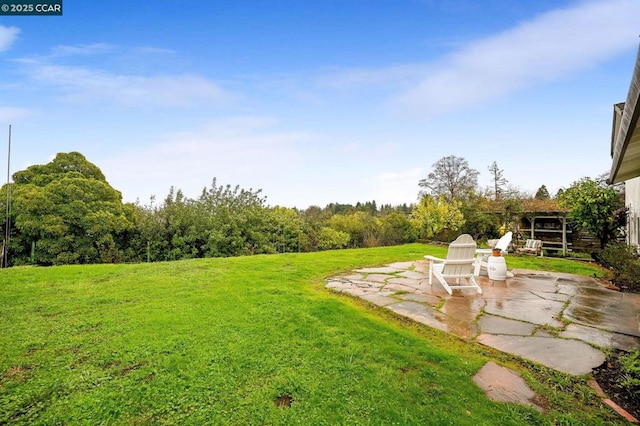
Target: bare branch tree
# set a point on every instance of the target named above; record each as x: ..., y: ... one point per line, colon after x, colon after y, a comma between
x: 451, y: 177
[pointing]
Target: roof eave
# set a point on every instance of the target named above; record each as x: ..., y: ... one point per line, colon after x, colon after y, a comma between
x: 625, y: 165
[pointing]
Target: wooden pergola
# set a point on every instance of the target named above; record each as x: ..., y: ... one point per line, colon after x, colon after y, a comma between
x: 546, y: 221
x: 543, y: 233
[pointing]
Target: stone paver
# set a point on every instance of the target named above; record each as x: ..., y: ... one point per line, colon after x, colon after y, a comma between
x: 428, y: 299
x: 527, y: 307
x: 497, y: 325
x: 570, y: 356
x: 606, y: 309
x: 421, y: 313
x: 380, y: 278
x: 379, y: 299
x: 403, y: 265
x: 399, y: 288
x: 602, y: 338
x: 412, y: 274
x: 558, y: 297
x: 503, y: 385
x: 354, y: 277
x: 360, y: 292
x: 410, y: 282
x: 380, y: 270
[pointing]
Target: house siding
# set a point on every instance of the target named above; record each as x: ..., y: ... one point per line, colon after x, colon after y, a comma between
x: 632, y: 201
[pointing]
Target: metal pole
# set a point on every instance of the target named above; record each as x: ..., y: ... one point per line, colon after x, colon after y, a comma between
x: 5, y: 249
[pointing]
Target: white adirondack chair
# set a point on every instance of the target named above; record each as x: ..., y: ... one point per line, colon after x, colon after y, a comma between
x: 458, y: 265
x: 483, y: 254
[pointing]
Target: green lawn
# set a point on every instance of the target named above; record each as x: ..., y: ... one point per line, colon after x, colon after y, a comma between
x: 219, y: 341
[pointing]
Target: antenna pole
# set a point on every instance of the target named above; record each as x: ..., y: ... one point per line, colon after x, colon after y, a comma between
x: 5, y: 249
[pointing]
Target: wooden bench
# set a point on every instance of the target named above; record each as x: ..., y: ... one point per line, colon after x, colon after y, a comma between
x: 531, y: 247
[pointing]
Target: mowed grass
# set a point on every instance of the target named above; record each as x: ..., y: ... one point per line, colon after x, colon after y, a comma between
x: 247, y: 340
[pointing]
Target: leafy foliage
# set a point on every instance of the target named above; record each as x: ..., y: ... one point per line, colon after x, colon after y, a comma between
x: 223, y: 221
x: 630, y: 364
x: 619, y: 378
x: 396, y: 228
x: 64, y: 164
x: 432, y: 217
x: 511, y: 212
x: 477, y: 222
x: 67, y: 212
x: 359, y: 226
x: 230, y: 221
x: 329, y: 239
x: 593, y: 206
x: 623, y: 261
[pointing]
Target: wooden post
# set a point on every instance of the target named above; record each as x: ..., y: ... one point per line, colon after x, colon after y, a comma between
x: 564, y: 235
x: 533, y: 226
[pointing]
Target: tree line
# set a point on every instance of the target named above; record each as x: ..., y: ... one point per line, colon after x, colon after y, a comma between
x: 65, y: 212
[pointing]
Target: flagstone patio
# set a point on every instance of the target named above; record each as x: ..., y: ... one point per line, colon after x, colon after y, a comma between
x: 560, y: 320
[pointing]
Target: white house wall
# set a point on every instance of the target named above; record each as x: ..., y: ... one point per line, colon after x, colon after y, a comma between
x: 632, y: 200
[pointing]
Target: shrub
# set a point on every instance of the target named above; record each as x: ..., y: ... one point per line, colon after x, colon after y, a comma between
x: 622, y: 259
x: 330, y: 239
x: 396, y: 228
x: 630, y: 366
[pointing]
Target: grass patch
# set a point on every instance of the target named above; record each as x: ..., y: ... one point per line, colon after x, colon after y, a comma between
x: 247, y: 340
x: 555, y: 264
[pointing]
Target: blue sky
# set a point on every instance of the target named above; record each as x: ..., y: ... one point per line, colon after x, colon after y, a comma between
x: 318, y: 102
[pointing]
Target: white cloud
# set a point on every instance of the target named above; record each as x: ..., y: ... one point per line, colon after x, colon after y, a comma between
x: 362, y: 77
x: 248, y: 151
x: 549, y: 47
x: 82, y: 84
x: 83, y: 49
x: 293, y: 168
x: 147, y: 50
x: 106, y: 48
x: 8, y: 35
x: 90, y: 82
x: 398, y: 187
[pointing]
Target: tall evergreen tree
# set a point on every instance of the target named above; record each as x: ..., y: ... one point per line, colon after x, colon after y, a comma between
x: 498, y: 180
x: 542, y: 193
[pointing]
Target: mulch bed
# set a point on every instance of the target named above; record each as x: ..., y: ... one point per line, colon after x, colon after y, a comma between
x: 609, y: 376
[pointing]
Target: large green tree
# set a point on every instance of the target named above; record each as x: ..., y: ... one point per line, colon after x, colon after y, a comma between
x: 594, y: 207
x: 65, y: 212
x: 477, y: 221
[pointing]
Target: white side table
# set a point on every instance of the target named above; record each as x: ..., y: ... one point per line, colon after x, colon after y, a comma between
x: 497, y: 268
